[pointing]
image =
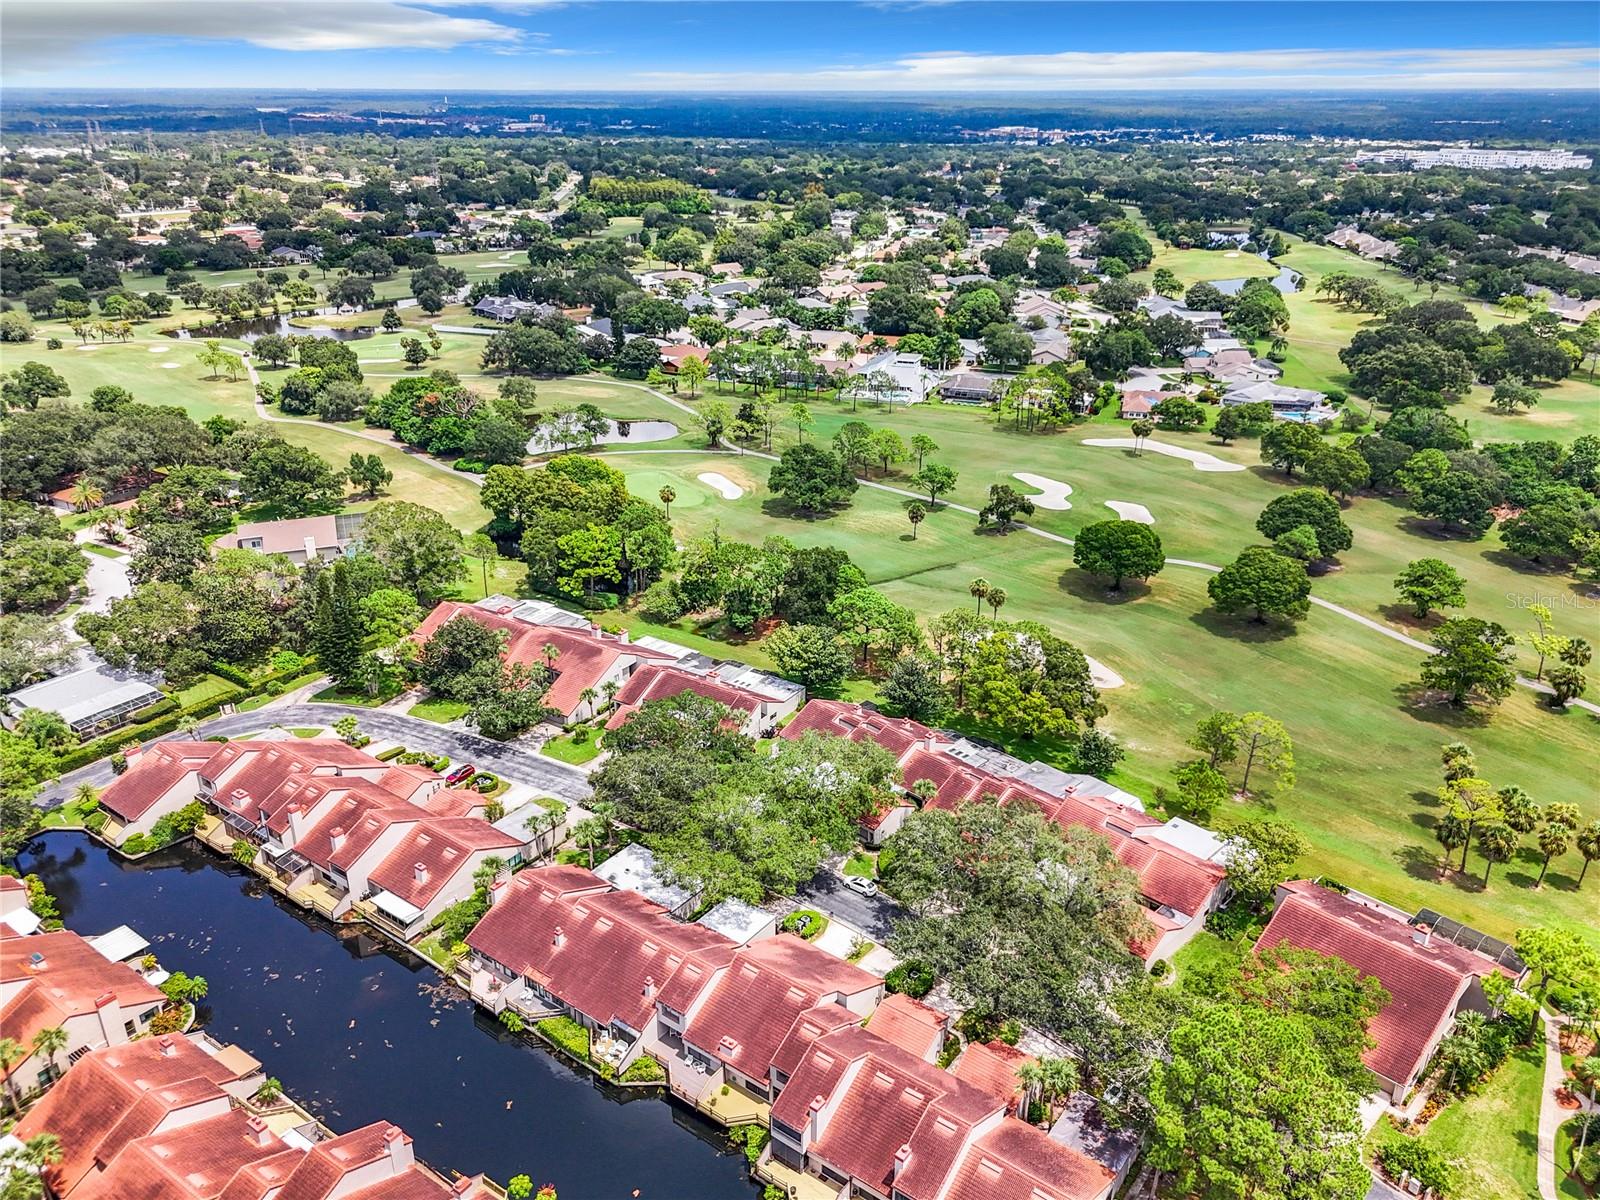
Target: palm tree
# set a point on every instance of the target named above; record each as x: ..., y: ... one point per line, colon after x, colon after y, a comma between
x: 590, y: 834
x: 1586, y: 1073
x: 481, y: 546
x: 50, y: 1042
x: 924, y: 790
x: 550, y: 652
x: 978, y: 589
x: 11, y: 1053
x: 1554, y: 839
x: 589, y: 696
x: 1060, y: 1078
x: 916, y: 513
x: 87, y: 495
x: 996, y: 598
x: 1031, y: 1076
x: 1588, y: 841
x: 198, y: 987
x: 85, y: 797
x: 1142, y: 428
x: 37, y: 1154
x: 666, y: 495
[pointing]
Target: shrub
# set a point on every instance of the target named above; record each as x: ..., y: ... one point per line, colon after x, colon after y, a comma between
x: 137, y: 844
x: 1159, y: 969
x: 232, y: 674
x: 512, y: 1020
x: 95, y: 821
x: 170, y: 1019
x: 566, y: 1034
x: 910, y: 978
x: 601, y: 601
x: 806, y: 923
x: 644, y: 1069
x: 581, y: 735
x: 393, y: 752
x: 1425, y: 1163
x: 752, y: 1139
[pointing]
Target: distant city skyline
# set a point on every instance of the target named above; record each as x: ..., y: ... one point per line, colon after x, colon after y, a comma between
x: 890, y: 46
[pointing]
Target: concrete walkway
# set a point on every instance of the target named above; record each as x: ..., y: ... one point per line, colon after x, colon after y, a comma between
x: 1551, y: 1115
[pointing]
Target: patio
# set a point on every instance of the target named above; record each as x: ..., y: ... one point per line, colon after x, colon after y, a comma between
x: 795, y: 1184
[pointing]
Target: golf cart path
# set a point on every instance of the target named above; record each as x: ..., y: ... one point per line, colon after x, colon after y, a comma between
x: 1376, y: 626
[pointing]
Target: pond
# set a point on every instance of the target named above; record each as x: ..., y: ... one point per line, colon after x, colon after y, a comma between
x: 1286, y: 281
x: 248, y: 329
x: 359, y: 1031
x: 618, y: 433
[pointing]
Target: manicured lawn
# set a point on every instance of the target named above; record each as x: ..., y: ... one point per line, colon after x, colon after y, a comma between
x: 436, y: 708
x: 205, y: 689
x: 308, y: 731
x: 68, y: 816
x: 1566, y: 1185
x: 864, y: 865
x: 1367, y: 757
x: 358, y: 699
x: 104, y: 551
x: 254, y: 702
x: 1492, y: 1137
x: 565, y: 749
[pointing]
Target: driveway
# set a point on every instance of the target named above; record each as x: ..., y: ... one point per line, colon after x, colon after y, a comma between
x: 107, y: 579
x: 873, y: 915
x: 516, y: 763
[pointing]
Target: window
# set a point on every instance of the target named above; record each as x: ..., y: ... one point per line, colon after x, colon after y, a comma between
x: 129, y: 1028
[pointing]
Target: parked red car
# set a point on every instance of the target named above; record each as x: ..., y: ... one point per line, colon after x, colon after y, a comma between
x: 460, y: 775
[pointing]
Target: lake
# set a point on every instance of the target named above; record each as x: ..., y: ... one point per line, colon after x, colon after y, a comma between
x: 358, y: 1030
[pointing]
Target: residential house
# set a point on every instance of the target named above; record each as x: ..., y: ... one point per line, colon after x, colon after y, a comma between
x: 1364, y: 244
x: 729, y: 1009
x: 159, y: 781
x: 585, y: 661
x: 15, y: 915
x: 905, y: 379
x: 299, y: 540
x: 633, y: 869
x: 508, y: 308
x: 910, y: 1024
x: 59, y: 981
x: 1180, y: 888
x: 562, y: 940
x: 995, y: 1068
x: 433, y: 866
x: 1288, y: 403
x: 1051, y: 312
x: 91, y: 700
x: 1050, y: 346
x: 865, y: 1115
x: 755, y: 715
x: 739, y: 922
x: 1429, y: 980
x: 971, y: 387
x: 673, y: 357
x: 1208, y: 322
x: 158, y: 1120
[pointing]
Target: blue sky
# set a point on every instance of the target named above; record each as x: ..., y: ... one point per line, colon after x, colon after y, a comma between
x: 925, y: 46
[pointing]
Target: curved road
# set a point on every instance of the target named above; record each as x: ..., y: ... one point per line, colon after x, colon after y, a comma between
x: 516, y: 763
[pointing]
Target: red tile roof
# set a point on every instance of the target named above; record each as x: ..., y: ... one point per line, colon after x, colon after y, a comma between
x: 910, y: 1024
x: 191, y: 1162
x: 1015, y: 1161
x: 583, y: 657
x: 327, y: 1163
x: 1424, y: 982
x: 52, y: 977
x: 151, y: 775
x: 754, y: 1002
x: 605, y: 953
x: 992, y: 1067
x: 654, y: 682
x: 432, y: 853
x: 96, y: 1098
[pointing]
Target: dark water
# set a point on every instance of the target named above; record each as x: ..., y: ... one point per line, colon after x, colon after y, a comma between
x: 248, y: 329
x: 357, y: 1033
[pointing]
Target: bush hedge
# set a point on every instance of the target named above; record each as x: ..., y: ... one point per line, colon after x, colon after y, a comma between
x: 567, y: 1034
x: 389, y: 755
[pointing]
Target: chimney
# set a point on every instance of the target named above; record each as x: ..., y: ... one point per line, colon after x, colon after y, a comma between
x: 311, y: 548
x: 902, y: 1156
x: 419, y: 872
x: 494, y: 890
x: 463, y: 1185
x: 259, y: 1134
x: 401, y: 1155
x: 335, y: 837
x: 297, y: 824
x: 559, y: 940
x: 169, y: 1048
x: 813, y: 1129
x: 649, y: 987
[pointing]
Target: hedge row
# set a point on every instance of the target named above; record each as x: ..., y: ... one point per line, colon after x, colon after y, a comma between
x: 82, y: 756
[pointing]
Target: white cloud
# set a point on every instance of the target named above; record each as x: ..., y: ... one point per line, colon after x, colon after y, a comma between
x: 41, y: 35
x: 1172, y: 70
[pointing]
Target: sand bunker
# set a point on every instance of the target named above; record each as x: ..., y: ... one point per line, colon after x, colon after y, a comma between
x: 1129, y: 511
x: 721, y: 484
x: 1103, y: 676
x: 365, y: 361
x: 1201, y: 460
x: 1231, y: 254
x: 86, y: 347
x: 1052, y: 492
x: 169, y: 366
x: 159, y: 349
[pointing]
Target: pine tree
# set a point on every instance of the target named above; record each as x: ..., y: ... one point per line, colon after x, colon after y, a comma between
x: 336, y: 632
